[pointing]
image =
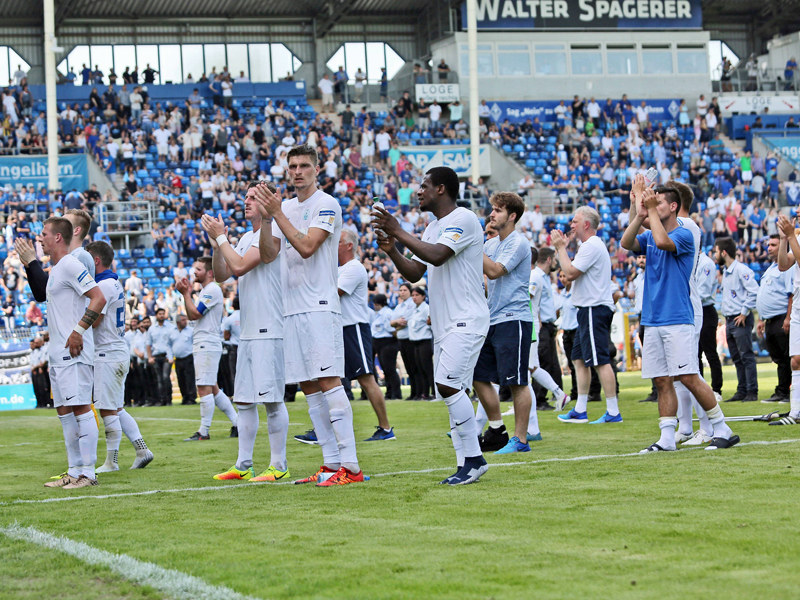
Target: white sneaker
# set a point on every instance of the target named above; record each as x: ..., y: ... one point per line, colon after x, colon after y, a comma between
x: 510, y: 412
x: 561, y: 399
x: 142, y: 460
x: 699, y: 438
x: 107, y: 467
x: 680, y: 438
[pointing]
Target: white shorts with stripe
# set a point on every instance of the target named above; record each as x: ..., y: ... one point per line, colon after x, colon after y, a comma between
x: 259, y: 371
x: 109, y: 384
x: 72, y: 384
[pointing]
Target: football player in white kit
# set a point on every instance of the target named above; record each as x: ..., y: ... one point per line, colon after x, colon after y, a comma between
x: 259, y: 361
x: 451, y: 250
x: 206, y: 346
x: 791, y: 260
x: 308, y: 227
x: 112, y: 363
x: 71, y: 354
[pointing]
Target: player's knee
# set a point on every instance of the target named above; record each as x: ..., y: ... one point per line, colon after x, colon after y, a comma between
x: 445, y: 391
x: 796, y: 363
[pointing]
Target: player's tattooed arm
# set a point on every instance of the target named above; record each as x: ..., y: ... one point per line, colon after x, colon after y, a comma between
x: 88, y: 318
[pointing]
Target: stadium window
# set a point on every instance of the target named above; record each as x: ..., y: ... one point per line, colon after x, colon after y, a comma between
x: 237, y: 60
x: 75, y: 60
x: 259, y: 62
x: 215, y: 58
x: 371, y: 57
x: 170, y: 63
x: 622, y: 60
x: 148, y: 54
x: 9, y: 60
x: 103, y: 58
x: 485, y: 60
x: 193, y: 61
x: 550, y: 59
x: 692, y: 60
x: 656, y: 60
x: 513, y: 59
x: 283, y: 61
x: 586, y: 60
x: 124, y: 56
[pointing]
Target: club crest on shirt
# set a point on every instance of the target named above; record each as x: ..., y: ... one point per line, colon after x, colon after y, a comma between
x: 733, y: 294
x: 453, y: 233
x: 746, y: 276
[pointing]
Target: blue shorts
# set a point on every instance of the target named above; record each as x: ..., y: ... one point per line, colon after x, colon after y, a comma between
x: 593, y: 336
x: 505, y: 353
x: 357, y: 350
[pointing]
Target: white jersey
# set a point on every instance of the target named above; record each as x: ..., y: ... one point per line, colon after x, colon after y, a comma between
x: 207, y: 327
x: 260, y: 296
x: 69, y: 280
x: 694, y: 294
x: 353, y: 280
x: 456, y: 295
x: 86, y: 259
x: 795, y: 314
x: 593, y: 287
x: 309, y: 285
x: 109, y: 336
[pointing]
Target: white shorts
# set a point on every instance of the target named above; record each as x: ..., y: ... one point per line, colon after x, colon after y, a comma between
x: 747, y: 175
x: 669, y: 350
x: 794, y: 339
x: 533, y: 360
x: 109, y: 384
x: 454, y: 359
x: 206, y: 365
x: 72, y: 384
x: 259, y: 371
x: 313, y: 346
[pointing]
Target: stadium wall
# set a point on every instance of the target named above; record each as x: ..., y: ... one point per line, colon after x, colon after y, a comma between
x: 494, y: 47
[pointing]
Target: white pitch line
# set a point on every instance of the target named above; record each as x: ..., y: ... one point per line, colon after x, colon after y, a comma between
x: 223, y: 487
x: 174, y: 583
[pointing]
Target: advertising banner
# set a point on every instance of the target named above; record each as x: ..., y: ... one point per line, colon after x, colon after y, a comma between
x: 518, y: 112
x: 16, y: 390
x: 542, y: 15
x: 457, y: 158
x: 73, y: 172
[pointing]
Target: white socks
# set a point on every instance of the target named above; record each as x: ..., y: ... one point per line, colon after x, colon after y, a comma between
x: 225, y: 405
x: 581, y: 403
x: 684, y: 408
x: 87, y: 442
x: 533, y: 420
x: 248, y: 428
x: 278, y: 427
x: 717, y: 420
x: 320, y: 419
x: 481, y: 418
x: 543, y: 378
x: 206, y: 413
x: 462, y: 425
x: 70, y: 427
x: 341, y: 417
x: 129, y: 426
x: 113, y: 430
x: 702, y: 417
x: 794, y: 395
x: 667, y: 426
x: 612, y: 408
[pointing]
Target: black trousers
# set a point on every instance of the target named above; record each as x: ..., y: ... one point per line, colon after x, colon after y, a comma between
x: 162, y: 369
x: 708, y: 346
x: 41, y: 388
x: 778, y: 348
x: 386, y: 350
x: 233, y: 354
x: 184, y: 371
x: 224, y: 378
x: 423, y: 352
x: 642, y: 329
x: 410, y: 361
x: 569, y: 340
x: 135, y: 390
x: 548, y: 360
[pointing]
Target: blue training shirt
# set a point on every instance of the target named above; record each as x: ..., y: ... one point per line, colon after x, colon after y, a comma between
x: 508, y: 294
x: 667, y: 295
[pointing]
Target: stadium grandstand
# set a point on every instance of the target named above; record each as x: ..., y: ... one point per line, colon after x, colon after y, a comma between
x: 150, y: 114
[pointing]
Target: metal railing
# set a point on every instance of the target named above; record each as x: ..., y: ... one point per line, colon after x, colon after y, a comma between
x: 125, y: 218
x: 742, y: 79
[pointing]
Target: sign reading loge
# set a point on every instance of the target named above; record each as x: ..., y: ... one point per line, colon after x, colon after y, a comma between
x: 26, y: 170
x: 744, y: 105
x: 587, y: 14
x: 441, y: 92
x: 457, y: 158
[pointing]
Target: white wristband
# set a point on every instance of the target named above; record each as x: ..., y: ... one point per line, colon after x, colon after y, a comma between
x: 79, y: 330
x: 221, y: 239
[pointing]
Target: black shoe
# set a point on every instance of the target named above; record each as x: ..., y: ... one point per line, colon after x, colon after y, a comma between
x: 197, y: 437
x: 651, y: 398
x: 493, y: 439
x: 720, y: 442
x: 594, y: 398
x: 544, y: 406
x: 737, y: 397
x: 776, y: 397
x: 752, y: 397
x: 234, y: 432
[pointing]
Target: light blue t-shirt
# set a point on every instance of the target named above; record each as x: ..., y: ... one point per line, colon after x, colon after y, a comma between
x: 508, y: 294
x: 667, y: 295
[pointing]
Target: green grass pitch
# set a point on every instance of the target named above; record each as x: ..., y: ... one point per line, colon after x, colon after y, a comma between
x: 578, y: 517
